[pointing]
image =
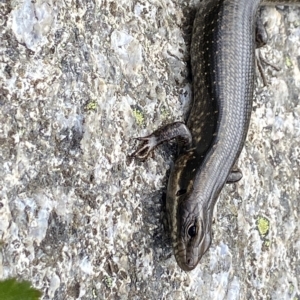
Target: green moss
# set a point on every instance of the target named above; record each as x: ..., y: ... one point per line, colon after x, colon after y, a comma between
x: 139, y: 117
x: 297, y: 23
x: 263, y: 226
x: 291, y: 288
x: 288, y: 62
x: 92, y: 105
x: 108, y: 281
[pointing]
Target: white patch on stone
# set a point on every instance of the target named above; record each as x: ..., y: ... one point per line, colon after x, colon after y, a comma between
x: 54, y: 285
x: 86, y: 266
x: 32, y: 22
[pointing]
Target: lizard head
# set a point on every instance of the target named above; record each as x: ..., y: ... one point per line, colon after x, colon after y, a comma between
x: 193, y: 234
x: 189, y: 217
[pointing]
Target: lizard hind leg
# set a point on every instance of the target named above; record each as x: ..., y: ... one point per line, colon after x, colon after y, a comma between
x: 235, y: 174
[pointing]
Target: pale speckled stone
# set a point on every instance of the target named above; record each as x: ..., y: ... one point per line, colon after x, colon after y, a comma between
x: 79, y: 222
x: 31, y: 22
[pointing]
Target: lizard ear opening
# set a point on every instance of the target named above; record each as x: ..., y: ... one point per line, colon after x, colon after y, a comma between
x: 180, y: 192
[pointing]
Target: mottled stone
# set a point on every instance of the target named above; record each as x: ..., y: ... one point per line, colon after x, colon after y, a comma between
x: 76, y: 219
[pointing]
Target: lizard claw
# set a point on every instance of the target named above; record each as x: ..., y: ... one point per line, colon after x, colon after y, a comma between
x: 145, y: 148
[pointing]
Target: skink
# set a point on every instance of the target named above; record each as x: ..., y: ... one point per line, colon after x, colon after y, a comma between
x: 222, y: 59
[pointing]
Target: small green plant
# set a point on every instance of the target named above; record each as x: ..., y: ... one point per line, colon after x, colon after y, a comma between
x: 108, y: 281
x: 11, y: 289
x: 263, y: 226
x: 267, y: 243
x: 92, y: 105
x: 139, y: 117
x: 288, y: 62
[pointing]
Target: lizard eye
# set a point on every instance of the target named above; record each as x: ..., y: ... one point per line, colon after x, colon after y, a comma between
x: 181, y: 192
x: 192, y: 231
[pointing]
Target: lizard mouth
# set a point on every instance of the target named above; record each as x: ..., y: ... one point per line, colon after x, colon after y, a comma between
x: 186, y: 259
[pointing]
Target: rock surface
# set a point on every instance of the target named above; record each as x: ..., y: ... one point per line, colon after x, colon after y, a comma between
x: 79, y: 79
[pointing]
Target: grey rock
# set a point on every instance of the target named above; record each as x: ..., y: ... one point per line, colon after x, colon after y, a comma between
x: 79, y: 80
